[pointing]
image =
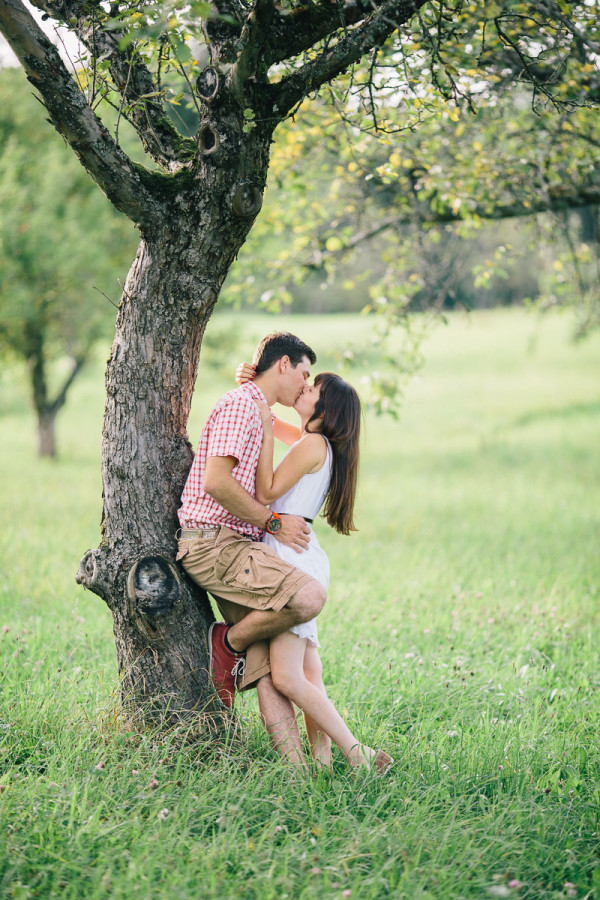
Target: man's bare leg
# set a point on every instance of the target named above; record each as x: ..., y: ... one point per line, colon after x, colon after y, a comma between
x: 260, y: 625
x: 279, y: 719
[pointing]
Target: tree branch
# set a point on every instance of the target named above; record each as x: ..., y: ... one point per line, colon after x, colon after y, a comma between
x: 372, y: 32
x: 300, y: 29
x: 251, y: 42
x: 583, y: 40
x: 315, y: 261
x: 61, y: 397
x: 133, y: 80
x: 558, y: 199
x: 126, y: 185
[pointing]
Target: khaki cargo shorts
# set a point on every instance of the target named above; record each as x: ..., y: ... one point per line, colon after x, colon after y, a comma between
x: 241, y: 574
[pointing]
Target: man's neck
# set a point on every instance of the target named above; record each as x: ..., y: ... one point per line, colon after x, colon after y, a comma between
x: 264, y: 382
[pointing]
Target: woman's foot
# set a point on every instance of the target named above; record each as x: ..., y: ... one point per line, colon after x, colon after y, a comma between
x: 377, y: 760
x: 321, y: 754
x: 321, y: 765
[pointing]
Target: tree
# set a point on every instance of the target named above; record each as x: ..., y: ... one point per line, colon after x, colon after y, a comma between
x: 382, y: 216
x: 195, y: 209
x: 58, y: 237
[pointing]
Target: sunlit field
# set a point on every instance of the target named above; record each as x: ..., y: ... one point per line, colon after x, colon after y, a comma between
x: 461, y: 634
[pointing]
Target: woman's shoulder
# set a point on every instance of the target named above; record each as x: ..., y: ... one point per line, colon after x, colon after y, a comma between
x: 313, y: 439
x: 313, y: 447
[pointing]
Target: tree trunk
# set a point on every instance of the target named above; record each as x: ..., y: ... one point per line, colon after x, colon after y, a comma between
x: 161, y: 618
x: 588, y: 224
x: 46, y: 410
x: 46, y: 437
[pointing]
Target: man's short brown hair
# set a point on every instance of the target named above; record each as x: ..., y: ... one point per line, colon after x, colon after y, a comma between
x: 281, y: 343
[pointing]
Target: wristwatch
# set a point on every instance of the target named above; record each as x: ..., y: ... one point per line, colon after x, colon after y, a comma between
x: 273, y: 523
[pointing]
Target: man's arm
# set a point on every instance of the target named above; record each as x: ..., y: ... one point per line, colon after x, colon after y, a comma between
x: 229, y: 493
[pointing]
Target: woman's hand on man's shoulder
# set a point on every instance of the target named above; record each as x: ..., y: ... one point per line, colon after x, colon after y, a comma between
x: 244, y: 372
x: 266, y: 414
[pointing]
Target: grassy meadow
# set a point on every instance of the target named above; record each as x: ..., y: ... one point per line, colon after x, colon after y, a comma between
x: 461, y: 634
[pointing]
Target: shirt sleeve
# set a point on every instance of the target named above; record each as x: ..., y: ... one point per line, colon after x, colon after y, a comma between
x: 232, y: 428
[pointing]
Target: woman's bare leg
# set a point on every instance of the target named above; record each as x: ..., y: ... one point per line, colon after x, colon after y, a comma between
x: 287, y: 672
x: 320, y: 743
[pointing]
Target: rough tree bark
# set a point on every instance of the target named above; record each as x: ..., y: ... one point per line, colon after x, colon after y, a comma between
x: 193, y: 223
x: 160, y: 618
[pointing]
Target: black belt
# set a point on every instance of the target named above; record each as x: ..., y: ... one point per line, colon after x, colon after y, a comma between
x: 306, y: 519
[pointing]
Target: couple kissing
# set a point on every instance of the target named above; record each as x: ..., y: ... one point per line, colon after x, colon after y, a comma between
x: 246, y: 537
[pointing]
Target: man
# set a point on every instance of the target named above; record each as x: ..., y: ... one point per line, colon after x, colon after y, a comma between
x: 221, y: 526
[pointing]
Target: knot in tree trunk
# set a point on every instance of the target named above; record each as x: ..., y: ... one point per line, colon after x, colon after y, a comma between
x: 90, y: 575
x: 208, y: 83
x: 247, y: 201
x: 153, y: 586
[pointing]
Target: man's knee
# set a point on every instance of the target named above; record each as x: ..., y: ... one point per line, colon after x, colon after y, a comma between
x: 276, y: 711
x: 307, y: 603
x: 267, y: 689
x: 266, y: 693
x: 264, y: 685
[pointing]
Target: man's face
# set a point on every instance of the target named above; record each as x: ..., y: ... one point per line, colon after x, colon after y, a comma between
x: 293, y: 380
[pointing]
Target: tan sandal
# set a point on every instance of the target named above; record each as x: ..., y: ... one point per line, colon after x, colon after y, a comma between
x: 383, y: 762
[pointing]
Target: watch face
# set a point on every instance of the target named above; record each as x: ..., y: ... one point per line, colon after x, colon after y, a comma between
x: 273, y: 525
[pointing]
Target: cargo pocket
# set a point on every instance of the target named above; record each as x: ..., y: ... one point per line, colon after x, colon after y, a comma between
x: 250, y: 569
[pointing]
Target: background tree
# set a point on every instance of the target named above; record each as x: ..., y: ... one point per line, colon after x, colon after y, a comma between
x: 58, y: 237
x: 472, y: 208
x: 195, y: 207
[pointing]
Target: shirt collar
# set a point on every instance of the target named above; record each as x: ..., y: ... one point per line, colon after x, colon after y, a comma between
x: 253, y: 389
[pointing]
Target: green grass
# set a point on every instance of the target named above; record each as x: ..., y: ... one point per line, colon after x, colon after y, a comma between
x: 461, y: 634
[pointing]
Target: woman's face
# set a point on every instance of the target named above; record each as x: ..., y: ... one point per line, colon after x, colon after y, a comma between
x: 306, y: 402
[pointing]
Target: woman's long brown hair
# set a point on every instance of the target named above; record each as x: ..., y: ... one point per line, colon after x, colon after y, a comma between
x: 339, y: 405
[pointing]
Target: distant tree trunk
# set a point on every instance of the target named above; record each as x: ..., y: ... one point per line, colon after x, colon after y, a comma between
x: 160, y: 617
x: 46, y: 435
x: 35, y: 344
x: 34, y: 347
x: 46, y: 409
x: 588, y: 217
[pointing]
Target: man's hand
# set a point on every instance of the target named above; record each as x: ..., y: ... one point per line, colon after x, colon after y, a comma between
x: 229, y: 493
x: 295, y: 532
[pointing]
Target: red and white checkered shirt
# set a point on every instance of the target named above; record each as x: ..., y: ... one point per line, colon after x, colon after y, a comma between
x: 234, y: 428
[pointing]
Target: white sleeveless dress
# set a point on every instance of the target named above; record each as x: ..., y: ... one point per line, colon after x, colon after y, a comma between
x: 306, y: 498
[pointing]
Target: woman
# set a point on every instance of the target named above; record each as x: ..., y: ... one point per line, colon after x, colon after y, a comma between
x: 321, y: 467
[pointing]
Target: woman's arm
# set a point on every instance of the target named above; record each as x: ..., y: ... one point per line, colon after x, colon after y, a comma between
x: 307, y: 455
x: 286, y: 432
x: 283, y: 431
x: 264, y: 469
